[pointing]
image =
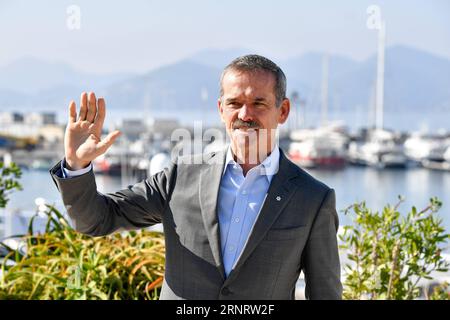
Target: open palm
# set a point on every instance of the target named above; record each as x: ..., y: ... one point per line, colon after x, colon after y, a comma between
x: 82, y: 142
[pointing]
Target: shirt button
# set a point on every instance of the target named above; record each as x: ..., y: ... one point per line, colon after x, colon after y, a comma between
x: 236, y: 220
x: 244, y: 192
x: 231, y: 248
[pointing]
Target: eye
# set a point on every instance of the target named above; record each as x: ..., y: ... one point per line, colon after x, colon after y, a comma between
x: 233, y: 104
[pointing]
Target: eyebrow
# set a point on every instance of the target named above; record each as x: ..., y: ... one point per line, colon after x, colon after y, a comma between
x: 230, y: 100
x: 260, y: 99
x: 257, y: 99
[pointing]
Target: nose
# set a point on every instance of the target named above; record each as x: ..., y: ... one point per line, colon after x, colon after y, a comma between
x: 245, y: 113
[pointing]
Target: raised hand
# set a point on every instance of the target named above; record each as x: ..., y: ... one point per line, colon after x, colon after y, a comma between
x: 82, y: 141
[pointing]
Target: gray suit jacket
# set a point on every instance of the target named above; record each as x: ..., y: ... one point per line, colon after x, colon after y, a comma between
x: 296, y: 229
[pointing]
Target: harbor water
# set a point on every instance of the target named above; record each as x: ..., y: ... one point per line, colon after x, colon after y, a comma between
x: 352, y: 184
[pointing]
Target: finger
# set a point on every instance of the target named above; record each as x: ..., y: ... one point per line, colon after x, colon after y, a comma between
x: 83, y: 106
x: 108, y: 141
x: 92, y: 107
x: 101, y: 111
x: 72, y: 112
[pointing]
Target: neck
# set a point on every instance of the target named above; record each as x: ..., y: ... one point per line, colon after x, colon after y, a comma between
x: 248, y: 160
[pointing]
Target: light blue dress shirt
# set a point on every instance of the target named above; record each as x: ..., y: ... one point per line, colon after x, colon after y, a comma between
x: 240, y: 201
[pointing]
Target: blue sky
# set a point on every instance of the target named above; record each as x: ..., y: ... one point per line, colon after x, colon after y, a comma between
x: 137, y: 36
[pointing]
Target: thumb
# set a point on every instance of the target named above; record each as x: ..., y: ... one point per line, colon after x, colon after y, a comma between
x: 108, y: 141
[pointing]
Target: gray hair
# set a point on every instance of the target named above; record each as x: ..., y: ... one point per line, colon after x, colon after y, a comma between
x: 254, y: 62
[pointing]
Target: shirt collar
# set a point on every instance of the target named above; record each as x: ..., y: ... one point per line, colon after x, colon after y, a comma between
x: 269, y: 166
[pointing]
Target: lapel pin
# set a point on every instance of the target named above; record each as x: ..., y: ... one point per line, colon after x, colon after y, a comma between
x: 278, y: 198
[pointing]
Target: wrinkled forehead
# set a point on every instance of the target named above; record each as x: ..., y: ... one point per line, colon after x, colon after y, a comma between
x: 248, y: 84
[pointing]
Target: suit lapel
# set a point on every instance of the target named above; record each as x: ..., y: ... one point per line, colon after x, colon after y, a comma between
x: 210, y: 178
x: 278, y: 195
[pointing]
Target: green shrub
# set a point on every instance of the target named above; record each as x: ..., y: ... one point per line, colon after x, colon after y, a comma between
x: 390, y: 254
x: 8, y: 181
x: 65, y: 264
x: 440, y: 292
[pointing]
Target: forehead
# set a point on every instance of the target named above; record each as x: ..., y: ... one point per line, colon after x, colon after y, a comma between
x: 236, y: 83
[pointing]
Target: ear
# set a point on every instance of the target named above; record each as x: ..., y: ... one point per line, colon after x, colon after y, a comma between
x: 284, y: 110
x: 220, y: 107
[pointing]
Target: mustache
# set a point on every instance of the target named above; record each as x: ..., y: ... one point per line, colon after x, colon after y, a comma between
x: 238, y: 123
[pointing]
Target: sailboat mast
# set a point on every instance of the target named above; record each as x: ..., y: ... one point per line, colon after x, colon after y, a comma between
x: 379, y: 98
x: 324, y: 90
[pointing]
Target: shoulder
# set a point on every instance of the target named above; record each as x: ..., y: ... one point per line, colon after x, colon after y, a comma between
x: 213, y: 157
x: 302, y: 178
x: 194, y: 163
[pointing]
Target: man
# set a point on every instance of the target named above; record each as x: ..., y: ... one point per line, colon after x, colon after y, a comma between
x: 238, y: 224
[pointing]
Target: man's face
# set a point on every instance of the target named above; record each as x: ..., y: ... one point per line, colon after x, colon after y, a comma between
x: 248, y: 109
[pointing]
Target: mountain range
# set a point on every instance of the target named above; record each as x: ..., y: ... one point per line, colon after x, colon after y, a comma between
x: 415, y: 81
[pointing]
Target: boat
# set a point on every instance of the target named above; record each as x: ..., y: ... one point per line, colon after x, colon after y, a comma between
x: 447, y: 155
x: 380, y: 150
x: 119, y: 160
x: 428, y: 150
x: 324, y: 146
x: 439, y: 164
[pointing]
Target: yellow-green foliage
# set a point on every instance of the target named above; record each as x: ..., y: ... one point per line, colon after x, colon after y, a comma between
x: 65, y: 264
x: 390, y: 253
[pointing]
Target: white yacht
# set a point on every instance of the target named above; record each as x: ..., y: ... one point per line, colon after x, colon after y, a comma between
x: 427, y: 149
x: 380, y: 150
x: 439, y: 164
